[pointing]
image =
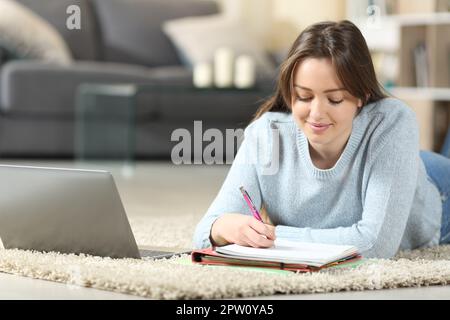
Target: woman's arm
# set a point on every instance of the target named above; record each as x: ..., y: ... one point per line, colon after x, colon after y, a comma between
x: 387, y: 200
x: 229, y: 200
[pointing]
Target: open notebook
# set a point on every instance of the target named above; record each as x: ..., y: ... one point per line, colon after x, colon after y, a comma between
x: 286, y: 254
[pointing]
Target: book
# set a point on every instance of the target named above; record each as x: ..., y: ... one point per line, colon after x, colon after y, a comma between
x: 421, y: 65
x: 285, y: 254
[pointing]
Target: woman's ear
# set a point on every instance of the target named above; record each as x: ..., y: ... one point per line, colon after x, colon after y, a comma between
x: 360, y: 103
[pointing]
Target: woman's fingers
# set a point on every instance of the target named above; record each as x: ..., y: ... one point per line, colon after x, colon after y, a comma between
x: 246, y: 241
x: 272, y: 235
x: 243, y: 230
x: 256, y: 239
x: 263, y: 229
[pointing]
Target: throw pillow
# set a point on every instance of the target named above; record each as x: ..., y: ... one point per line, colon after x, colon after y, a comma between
x: 25, y: 35
x: 197, y: 39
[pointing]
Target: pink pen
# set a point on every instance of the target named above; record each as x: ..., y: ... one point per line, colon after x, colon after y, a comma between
x: 250, y: 204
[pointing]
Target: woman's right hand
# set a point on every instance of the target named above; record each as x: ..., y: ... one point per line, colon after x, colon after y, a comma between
x: 243, y: 230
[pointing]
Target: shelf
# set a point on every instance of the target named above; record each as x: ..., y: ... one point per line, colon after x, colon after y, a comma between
x: 412, y: 50
x: 420, y: 19
x: 405, y: 20
x: 428, y: 94
x: 384, y: 34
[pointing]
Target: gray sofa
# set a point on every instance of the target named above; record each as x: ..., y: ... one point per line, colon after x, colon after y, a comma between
x: 120, y: 41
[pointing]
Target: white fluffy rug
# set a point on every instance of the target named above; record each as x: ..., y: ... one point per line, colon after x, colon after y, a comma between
x: 171, y: 279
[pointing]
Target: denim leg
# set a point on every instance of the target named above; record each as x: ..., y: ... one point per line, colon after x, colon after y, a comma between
x: 438, y: 169
x: 446, y: 147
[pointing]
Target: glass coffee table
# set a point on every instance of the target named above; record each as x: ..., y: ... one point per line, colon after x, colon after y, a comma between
x: 104, y: 124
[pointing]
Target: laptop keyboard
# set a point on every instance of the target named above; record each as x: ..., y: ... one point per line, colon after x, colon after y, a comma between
x: 155, y: 253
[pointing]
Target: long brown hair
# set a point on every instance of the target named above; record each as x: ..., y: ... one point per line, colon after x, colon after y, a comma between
x: 343, y: 43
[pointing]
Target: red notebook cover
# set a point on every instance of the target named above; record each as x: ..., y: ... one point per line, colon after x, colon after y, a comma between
x: 209, y: 256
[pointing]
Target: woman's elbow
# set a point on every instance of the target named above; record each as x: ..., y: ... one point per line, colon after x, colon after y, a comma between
x: 379, y: 250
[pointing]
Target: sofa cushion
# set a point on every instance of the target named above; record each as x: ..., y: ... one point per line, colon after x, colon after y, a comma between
x: 83, y: 43
x: 25, y: 35
x: 132, y: 29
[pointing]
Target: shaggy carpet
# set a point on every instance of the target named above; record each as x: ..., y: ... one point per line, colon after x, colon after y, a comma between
x: 177, y: 279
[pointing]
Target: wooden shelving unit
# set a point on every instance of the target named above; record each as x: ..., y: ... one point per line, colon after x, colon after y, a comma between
x: 414, y: 24
x: 432, y: 102
x: 432, y: 107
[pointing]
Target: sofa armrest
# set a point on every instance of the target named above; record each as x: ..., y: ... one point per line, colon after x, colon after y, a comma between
x: 28, y: 86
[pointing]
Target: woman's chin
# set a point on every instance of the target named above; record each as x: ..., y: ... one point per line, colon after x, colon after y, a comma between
x: 316, y: 140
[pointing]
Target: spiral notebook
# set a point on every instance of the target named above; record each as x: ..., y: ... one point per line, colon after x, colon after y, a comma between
x: 285, y: 254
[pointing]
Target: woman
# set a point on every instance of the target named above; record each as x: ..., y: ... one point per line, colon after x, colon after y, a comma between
x: 347, y: 160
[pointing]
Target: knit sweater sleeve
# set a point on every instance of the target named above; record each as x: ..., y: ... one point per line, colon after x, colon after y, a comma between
x: 392, y: 171
x: 242, y: 173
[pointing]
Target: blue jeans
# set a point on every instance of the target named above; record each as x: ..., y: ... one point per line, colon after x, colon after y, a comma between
x: 446, y: 147
x: 438, y: 169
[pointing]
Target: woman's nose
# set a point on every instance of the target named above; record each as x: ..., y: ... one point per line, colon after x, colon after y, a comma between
x: 317, y: 110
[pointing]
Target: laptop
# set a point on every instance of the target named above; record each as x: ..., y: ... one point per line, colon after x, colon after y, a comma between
x: 68, y: 211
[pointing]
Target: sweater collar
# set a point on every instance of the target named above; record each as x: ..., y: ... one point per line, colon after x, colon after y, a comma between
x: 347, y: 155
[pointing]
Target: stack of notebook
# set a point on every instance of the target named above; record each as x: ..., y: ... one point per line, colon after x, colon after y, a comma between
x: 285, y: 254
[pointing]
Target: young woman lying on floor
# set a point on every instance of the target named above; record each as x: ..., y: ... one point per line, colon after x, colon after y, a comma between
x: 348, y: 166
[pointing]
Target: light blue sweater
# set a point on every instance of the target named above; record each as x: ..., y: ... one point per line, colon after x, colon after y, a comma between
x: 377, y: 197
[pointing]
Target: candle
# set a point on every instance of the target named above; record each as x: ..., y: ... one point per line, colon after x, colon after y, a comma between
x: 223, y: 67
x: 203, y: 75
x: 244, y: 74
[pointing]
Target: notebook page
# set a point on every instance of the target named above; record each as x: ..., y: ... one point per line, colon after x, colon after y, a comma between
x: 328, y: 248
x: 291, y: 252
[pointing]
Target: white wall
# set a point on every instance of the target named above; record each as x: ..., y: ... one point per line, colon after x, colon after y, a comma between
x: 278, y: 22
x: 257, y: 15
x: 302, y: 13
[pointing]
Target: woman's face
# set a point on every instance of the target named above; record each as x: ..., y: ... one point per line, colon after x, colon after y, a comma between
x: 321, y: 106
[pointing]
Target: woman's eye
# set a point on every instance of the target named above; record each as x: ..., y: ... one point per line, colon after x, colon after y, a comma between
x: 335, y: 102
x: 304, y: 99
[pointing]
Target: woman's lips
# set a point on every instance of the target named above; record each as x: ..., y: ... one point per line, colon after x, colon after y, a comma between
x: 318, y: 127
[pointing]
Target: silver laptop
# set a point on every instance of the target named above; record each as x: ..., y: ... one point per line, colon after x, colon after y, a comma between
x: 67, y: 211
